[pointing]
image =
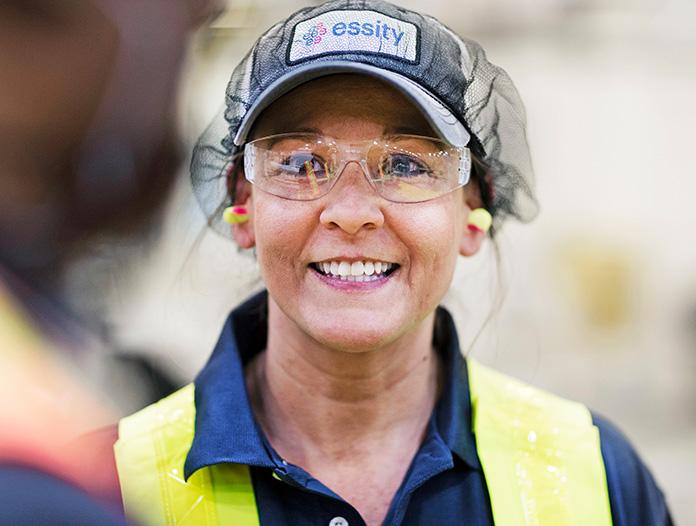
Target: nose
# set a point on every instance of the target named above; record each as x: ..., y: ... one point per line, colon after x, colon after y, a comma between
x: 352, y: 204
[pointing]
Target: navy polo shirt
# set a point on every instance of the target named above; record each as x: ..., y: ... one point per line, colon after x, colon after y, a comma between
x: 444, y: 481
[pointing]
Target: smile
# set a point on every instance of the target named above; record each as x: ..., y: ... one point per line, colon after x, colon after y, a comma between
x: 357, y: 271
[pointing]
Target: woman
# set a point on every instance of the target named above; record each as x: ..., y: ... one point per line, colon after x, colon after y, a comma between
x: 365, y: 148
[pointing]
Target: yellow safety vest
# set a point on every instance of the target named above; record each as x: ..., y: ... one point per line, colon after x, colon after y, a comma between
x: 540, y: 456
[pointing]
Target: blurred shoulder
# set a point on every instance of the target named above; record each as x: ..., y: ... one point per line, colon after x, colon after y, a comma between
x: 636, y: 500
x: 29, y: 496
x: 96, y: 450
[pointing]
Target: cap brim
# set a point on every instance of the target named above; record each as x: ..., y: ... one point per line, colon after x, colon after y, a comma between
x: 438, y: 116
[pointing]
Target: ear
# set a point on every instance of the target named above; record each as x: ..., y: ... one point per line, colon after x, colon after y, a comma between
x: 471, y: 240
x: 243, y: 233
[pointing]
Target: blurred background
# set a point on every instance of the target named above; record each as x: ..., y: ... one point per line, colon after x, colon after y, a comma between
x: 595, y: 300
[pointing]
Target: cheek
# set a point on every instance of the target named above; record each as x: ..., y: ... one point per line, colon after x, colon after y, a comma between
x: 434, y: 249
x: 280, y: 231
x: 434, y: 234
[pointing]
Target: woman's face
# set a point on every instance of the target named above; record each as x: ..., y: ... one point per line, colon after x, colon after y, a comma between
x: 352, y: 223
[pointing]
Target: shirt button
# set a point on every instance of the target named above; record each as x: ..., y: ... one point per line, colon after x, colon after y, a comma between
x: 338, y: 521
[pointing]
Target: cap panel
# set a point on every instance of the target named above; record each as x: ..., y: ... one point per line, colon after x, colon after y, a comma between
x: 439, y: 117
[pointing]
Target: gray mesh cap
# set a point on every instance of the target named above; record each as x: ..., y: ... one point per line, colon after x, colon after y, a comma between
x: 467, y: 100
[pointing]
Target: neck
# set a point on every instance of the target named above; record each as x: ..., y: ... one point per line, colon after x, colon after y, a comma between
x: 309, y: 398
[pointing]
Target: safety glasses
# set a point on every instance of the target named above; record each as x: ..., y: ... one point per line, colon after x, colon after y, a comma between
x: 401, y: 168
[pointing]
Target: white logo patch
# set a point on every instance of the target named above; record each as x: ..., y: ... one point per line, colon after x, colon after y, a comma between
x: 354, y: 31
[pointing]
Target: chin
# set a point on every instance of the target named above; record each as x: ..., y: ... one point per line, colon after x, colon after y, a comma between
x: 355, y: 333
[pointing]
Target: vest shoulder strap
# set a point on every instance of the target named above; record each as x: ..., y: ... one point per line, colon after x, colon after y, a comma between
x: 150, y: 455
x: 540, y: 454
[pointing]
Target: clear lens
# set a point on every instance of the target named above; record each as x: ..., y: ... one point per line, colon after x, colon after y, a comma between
x: 401, y: 168
x: 293, y: 166
x: 409, y: 168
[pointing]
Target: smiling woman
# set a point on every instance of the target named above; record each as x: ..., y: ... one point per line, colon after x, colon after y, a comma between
x: 414, y: 244
x: 360, y: 168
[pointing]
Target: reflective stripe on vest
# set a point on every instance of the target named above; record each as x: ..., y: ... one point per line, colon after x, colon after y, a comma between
x: 540, y: 456
x: 150, y: 455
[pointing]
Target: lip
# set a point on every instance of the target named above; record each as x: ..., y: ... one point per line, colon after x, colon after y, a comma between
x: 353, y: 259
x: 355, y: 286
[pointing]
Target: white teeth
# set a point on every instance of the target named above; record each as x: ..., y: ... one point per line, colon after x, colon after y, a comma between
x: 369, y: 268
x: 360, y: 271
x: 343, y: 269
x: 356, y: 269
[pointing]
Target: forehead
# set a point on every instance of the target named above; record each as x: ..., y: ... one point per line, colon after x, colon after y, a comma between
x: 337, y: 101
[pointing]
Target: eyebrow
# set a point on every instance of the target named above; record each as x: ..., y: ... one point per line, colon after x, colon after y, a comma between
x: 309, y: 129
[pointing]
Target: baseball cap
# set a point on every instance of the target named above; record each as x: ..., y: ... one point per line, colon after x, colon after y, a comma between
x: 466, y: 99
x: 439, y: 117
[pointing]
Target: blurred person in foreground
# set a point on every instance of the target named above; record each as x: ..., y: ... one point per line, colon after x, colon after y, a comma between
x: 88, y: 147
x: 363, y: 149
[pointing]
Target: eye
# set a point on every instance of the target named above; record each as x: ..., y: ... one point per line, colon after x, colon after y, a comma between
x: 303, y: 164
x: 403, y: 165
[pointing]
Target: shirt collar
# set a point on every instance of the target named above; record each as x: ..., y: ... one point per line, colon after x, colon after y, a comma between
x: 226, y: 431
x: 453, y: 411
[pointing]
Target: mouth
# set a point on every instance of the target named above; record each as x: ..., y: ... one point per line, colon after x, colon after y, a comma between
x: 355, y: 271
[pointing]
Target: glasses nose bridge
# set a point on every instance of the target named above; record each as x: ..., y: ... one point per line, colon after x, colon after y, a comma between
x: 354, y: 153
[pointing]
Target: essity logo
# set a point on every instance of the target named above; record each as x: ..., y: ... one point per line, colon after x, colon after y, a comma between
x: 346, y: 31
x: 313, y: 36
